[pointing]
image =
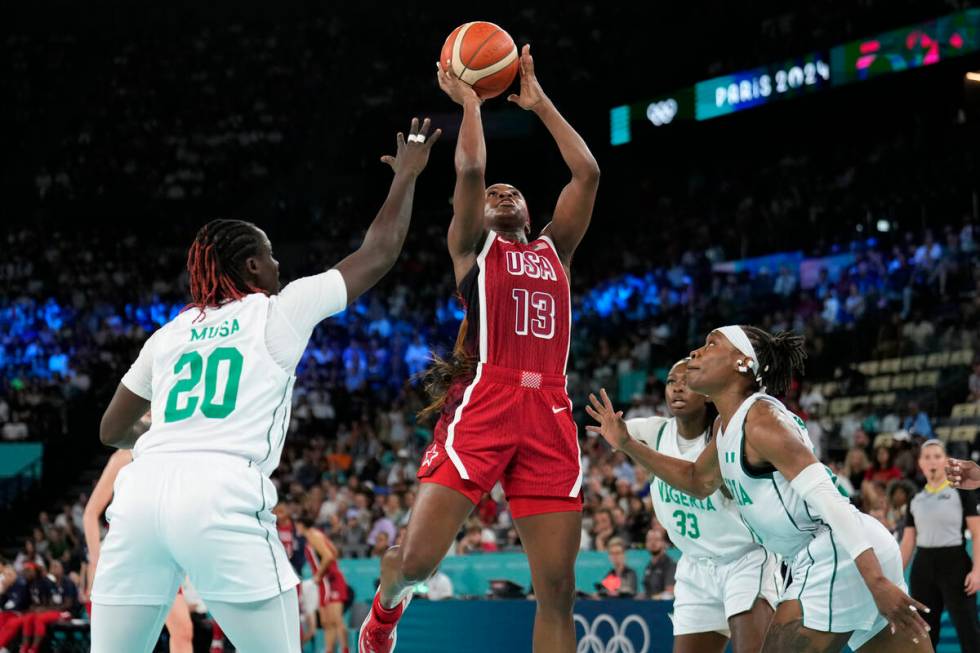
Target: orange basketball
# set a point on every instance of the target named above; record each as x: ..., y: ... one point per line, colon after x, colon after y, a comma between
x: 483, y: 55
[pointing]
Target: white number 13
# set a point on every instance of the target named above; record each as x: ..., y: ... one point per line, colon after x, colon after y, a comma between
x: 535, y: 311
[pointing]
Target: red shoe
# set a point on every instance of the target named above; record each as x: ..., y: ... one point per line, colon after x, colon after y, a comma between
x: 378, y: 634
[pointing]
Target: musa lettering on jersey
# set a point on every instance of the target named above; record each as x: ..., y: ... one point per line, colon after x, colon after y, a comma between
x: 669, y: 494
x: 207, y: 333
x: 530, y: 265
x: 741, y: 497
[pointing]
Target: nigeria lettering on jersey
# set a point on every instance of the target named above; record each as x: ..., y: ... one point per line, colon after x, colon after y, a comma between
x: 738, y: 492
x: 530, y: 265
x: 669, y: 494
x: 207, y: 333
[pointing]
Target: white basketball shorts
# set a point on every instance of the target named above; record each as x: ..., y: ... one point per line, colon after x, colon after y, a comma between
x: 207, y: 514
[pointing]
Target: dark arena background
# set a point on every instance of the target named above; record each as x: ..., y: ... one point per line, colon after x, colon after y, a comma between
x: 811, y: 167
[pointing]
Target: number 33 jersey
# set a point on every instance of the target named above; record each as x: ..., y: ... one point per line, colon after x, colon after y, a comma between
x: 215, y: 387
x: 518, y: 297
x: 708, y: 528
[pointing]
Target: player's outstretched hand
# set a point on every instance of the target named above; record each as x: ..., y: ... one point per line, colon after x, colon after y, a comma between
x: 412, y: 156
x: 531, y: 93
x: 963, y: 474
x: 457, y: 90
x: 901, y: 611
x: 611, y: 427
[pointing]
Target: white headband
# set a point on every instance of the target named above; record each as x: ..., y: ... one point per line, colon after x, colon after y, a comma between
x: 736, y: 335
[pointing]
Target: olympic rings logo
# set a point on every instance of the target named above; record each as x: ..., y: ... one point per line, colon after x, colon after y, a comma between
x: 618, y: 642
x: 662, y: 112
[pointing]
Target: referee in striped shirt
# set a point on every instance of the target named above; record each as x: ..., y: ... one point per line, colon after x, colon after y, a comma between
x: 943, y: 576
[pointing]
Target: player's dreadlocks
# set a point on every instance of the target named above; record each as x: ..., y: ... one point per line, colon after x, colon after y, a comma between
x: 215, y: 262
x: 438, y: 378
x: 780, y: 356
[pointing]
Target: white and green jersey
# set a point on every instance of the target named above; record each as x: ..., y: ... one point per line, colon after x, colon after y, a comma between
x: 215, y: 387
x: 222, y: 383
x: 708, y: 528
x: 779, y: 517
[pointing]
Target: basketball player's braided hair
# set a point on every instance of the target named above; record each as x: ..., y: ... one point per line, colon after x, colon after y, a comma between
x: 780, y: 355
x: 439, y: 377
x: 215, y: 262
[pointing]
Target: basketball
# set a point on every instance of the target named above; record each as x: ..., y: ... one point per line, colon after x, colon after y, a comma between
x: 483, y: 55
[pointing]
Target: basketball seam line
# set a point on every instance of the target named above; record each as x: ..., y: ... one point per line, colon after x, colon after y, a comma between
x: 466, y: 66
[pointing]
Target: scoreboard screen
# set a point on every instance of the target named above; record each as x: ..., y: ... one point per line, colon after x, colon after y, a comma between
x: 914, y: 46
x: 911, y: 47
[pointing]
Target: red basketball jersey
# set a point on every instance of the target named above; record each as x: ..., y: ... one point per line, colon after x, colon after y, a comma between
x: 333, y: 574
x: 518, y: 306
x: 287, y: 538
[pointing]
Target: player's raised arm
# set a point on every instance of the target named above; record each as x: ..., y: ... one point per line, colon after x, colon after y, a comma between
x: 769, y: 439
x: 386, y: 235
x: 699, y: 478
x: 469, y: 195
x: 574, y: 208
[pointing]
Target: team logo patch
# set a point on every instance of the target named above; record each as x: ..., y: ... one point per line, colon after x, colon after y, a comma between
x: 430, y: 454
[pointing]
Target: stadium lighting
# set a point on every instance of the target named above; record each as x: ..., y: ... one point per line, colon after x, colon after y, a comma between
x: 973, y: 77
x: 884, y: 226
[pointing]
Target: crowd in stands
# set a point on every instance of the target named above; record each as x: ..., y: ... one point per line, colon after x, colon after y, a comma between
x: 76, y: 304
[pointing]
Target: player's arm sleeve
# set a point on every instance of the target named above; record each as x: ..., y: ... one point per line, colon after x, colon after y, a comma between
x: 139, y: 378
x: 909, y: 517
x: 308, y: 301
x: 817, y: 489
x: 645, y: 429
x: 968, y: 498
x: 300, y: 306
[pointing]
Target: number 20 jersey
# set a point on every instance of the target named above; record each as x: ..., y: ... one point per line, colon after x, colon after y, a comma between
x: 518, y: 306
x: 216, y: 389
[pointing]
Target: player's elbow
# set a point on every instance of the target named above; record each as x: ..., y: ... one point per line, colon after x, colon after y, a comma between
x: 588, y: 172
x: 108, y: 434
x: 703, y: 487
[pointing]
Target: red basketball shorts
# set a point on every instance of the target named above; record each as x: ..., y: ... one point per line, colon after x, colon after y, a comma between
x: 323, y: 592
x: 338, y: 590
x: 514, y: 427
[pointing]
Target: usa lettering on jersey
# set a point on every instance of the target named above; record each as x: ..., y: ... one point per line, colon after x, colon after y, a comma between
x: 531, y: 265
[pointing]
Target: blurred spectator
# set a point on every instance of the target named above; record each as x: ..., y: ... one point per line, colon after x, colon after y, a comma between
x: 899, y: 494
x: 472, y: 541
x: 621, y: 580
x: 604, y: 529
x: 658, y: 577
x: 438, y: 587
x: 916, y: 421
x: 856, y: 466
x: 883, y: 470
x: 974, y: 383
x: 785, y: 285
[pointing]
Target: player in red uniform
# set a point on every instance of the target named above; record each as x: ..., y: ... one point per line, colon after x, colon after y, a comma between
x: 505, y: 414
x: 321, y: 555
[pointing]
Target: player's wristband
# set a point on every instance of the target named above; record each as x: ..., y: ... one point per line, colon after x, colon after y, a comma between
x: 815, y: 486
